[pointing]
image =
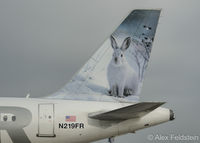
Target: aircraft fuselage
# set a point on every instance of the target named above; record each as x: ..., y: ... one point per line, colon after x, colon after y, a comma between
x: 66, y: 121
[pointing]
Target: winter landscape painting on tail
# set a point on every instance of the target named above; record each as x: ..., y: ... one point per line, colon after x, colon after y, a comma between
x: 116, y: 71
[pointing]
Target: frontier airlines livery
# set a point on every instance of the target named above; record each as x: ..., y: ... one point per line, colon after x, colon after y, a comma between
x: 100, y: 101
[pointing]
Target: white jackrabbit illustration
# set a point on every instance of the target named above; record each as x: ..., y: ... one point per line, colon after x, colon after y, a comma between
x: 121, y: 77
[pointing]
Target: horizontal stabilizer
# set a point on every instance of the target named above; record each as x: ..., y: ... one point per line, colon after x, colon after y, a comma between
x: 128, y: 112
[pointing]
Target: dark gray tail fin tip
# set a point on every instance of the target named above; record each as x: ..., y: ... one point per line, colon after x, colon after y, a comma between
x: 146, y: 12
x: 156, y: 10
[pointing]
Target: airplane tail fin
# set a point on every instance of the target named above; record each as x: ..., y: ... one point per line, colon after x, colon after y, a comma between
x: 116, y: 71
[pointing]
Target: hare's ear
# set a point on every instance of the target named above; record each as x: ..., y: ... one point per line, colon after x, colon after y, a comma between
x: 126, y: 43
x: 113, y: 42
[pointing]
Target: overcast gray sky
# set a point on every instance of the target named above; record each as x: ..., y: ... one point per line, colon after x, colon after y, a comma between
x: 43, y: 43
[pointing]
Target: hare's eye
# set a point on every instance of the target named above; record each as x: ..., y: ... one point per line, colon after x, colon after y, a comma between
x: 121, y: 55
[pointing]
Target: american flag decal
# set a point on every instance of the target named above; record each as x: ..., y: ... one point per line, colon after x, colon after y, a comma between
x: 70, y: 118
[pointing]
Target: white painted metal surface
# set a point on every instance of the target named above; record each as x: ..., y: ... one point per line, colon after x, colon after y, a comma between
x: 93, y: 129
x: 46, y: 120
